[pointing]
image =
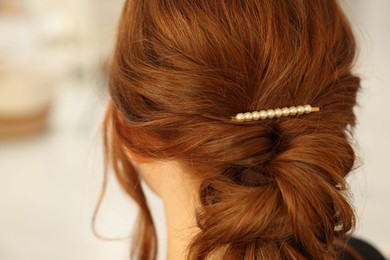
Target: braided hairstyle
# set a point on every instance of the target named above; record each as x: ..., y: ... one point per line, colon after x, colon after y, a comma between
x: 271, y: 189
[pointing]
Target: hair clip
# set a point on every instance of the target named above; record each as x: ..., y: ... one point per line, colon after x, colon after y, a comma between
x: 271, y: 113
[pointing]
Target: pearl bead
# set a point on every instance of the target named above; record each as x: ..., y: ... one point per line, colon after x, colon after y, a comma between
x: 263, y: 114
x: 255, y: 115
x: 278, y: 112
x: 293, y: 111
x: 285, y: 111
x: 240, y: 117
x: 300, y: 110
x: 270, y: 113
x: 248, y: 116
x: 307, y: 109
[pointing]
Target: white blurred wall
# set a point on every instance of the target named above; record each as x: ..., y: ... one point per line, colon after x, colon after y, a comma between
x: 371, y: 182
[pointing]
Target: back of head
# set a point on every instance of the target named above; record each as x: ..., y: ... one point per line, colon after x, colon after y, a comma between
x: 271, y: 189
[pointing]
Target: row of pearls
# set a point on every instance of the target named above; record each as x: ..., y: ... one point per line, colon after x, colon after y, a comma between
x: 278, y: 112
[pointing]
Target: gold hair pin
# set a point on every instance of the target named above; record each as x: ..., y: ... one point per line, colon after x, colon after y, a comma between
x: 271, y: 113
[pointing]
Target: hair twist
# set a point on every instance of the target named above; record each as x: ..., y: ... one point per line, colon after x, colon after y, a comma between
x: 293, y: 203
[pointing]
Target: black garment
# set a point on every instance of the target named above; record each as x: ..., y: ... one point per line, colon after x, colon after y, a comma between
x: 364, y: 249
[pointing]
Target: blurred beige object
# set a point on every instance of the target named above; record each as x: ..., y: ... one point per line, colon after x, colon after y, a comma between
x: 25, y: 100
x: 10, y: 7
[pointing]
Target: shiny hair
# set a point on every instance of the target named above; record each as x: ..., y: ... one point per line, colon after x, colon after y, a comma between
x: 271, y: 189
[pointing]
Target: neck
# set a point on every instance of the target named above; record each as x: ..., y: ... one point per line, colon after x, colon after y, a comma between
x: 180, y: 221
x: 179, y: 195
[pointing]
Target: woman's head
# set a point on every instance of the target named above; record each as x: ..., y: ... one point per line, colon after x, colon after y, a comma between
x: 269, y: 189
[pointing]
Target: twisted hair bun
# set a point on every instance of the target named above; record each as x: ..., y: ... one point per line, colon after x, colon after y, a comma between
x: 271, y: 189
x: 291, y: 205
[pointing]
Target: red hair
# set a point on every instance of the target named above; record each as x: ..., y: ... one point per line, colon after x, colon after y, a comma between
x: 271, y: 189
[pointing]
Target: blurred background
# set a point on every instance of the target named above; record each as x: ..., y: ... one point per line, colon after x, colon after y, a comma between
x: 52, y: 101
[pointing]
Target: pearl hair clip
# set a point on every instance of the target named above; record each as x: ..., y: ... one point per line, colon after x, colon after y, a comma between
x: 271, y: 113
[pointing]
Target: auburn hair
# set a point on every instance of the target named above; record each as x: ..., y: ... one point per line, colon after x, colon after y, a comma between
x: 271, y: 189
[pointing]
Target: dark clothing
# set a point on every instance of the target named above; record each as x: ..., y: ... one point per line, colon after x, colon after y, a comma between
x: 363, y: 249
